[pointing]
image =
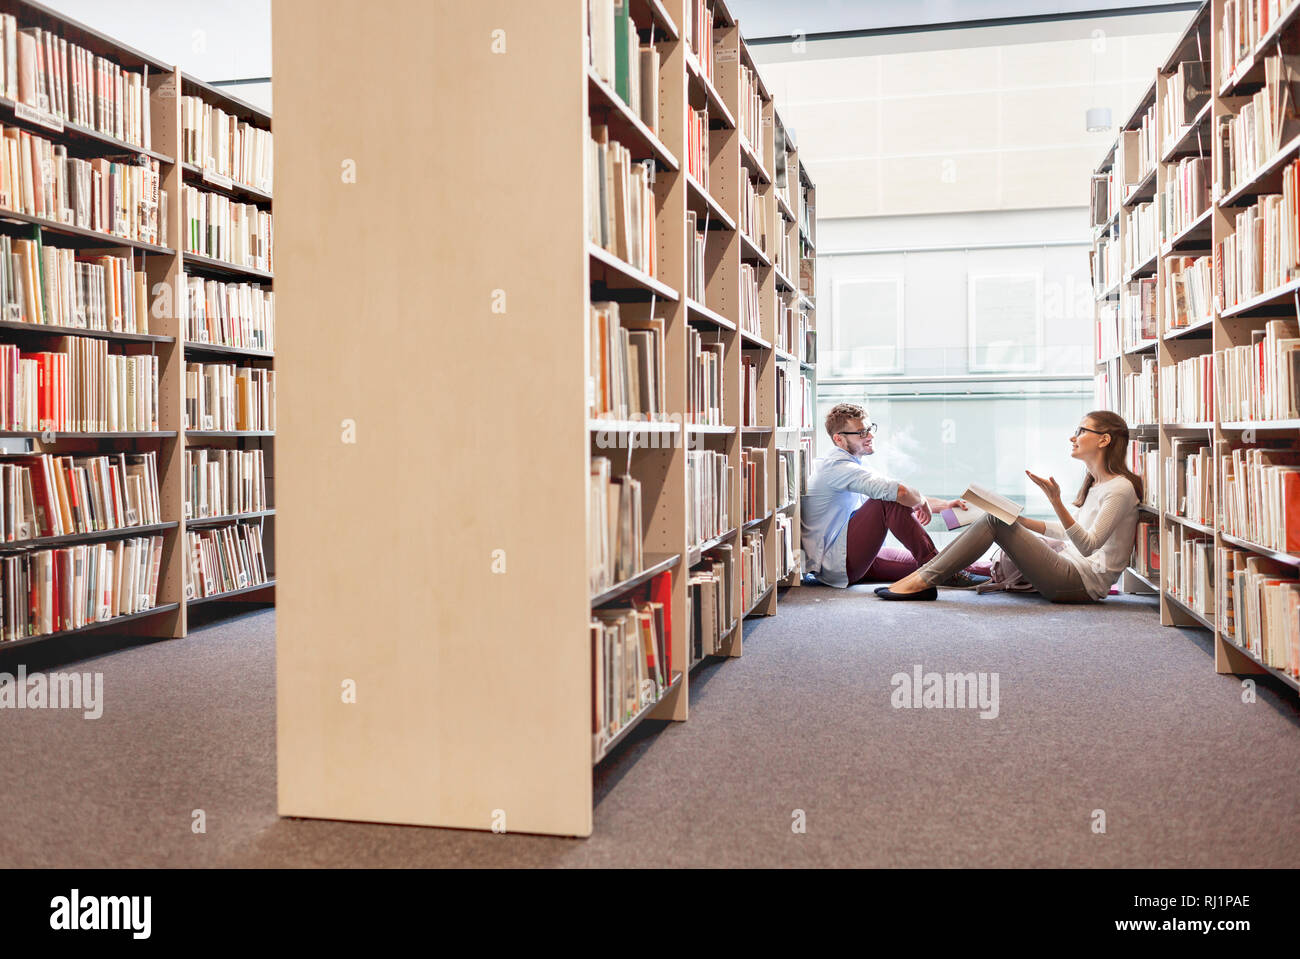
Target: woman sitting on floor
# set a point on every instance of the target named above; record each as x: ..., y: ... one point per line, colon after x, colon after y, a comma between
x: 1099, y: 541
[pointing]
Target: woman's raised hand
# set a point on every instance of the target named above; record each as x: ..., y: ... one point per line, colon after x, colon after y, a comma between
x: 1049, y: 486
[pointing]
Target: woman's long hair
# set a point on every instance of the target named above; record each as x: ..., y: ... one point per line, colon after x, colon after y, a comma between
x: 1116, y: 460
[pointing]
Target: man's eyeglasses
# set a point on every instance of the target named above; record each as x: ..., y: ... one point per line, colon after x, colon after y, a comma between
x: 860, y: 434
x: 1084, y: 429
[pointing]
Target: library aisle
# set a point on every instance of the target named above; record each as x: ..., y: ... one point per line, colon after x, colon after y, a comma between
x: 880, y: 787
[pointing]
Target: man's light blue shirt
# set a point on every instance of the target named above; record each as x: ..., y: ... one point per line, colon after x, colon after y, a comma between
x: 839, y: 484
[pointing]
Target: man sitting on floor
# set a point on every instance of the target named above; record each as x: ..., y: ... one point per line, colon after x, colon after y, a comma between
x: 848, y: 509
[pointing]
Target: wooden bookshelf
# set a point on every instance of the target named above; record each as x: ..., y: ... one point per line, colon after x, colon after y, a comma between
x: 164, y: 264
x: 460, y: 604
x: 1180, y: 138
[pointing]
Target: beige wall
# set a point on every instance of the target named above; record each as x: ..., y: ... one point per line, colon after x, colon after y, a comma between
x: 958, y: 120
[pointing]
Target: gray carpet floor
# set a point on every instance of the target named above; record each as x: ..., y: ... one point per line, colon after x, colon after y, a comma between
x: 1100, y: 709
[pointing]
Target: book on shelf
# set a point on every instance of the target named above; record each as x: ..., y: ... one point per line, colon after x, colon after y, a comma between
x: 698, y: 30
x: 1105, y: 260
x: 753, y: 478
x: 1139, y: 305
x: 56, y: 286
x: 695, y: 263
x: 785, y: 545
x: 787, y: 477
x: 631, y: 660
x: 223, y: 482
x: 750, y: 319
x: 1142, y: 236
x: 63, y: 80
x: 1186, y: 195
x: 1258, y: 605
x: 991, y: 502
x: 220, y: 228
x: 708, y: 599
x: 114, y: 195
x: 1103, y: 199
x: 225, y: 558
x: 1186, y: 91
x: 1144, y: 460
x: 708, y: 485
x: 79, y: 387
x: 748, y: 390
x: 239, y: 315
x: 615, y: 52
x: 1264, y: 122
x: 224, y: 146
x: 1135, y: 155
x: 627, y: 363
x: 1187, y: 390
x: 1137, y: 393
x: 1189, y: 480
x: 705, y: 383
x: 615, y: 531
x: 753, y: 214
x: 1261, y: 252
x: 1260, y: 495
x: 48, y: 495
x: 51, y: 590
x: 697, y: 145
x: 749, y: 112
x: 1261, y: 380
x: 1188, y: 557
x: 1189, y: 291
x: 1146, y: 553
x: 753, y: 569
x: 620, y: 200
x: 222, y: 396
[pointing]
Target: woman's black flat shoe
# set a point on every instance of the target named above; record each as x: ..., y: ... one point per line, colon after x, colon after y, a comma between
x: 929, y: 592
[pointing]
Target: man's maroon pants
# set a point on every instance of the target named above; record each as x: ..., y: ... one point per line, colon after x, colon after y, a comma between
x: 866, y: 561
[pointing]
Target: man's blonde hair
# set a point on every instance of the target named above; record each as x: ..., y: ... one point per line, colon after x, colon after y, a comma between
x: 840, y: 415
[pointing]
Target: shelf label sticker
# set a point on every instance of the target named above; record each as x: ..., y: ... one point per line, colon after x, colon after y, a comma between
x: 208, y: 421
x: 167, y: 89
x: 723, y: 54
x: 42, y: 118
x: 189, y: 590
x: 105, y: 612
x: 189, y: 510
x: 131, y: 516
x: 242, y: 580
x: 142, y: 602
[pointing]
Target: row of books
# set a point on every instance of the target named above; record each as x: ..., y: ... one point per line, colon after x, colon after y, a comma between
x: 240, y: 315
x: 39, y: 178
x: 1263, y: 124
x: 52, y: 590
x: 793, y: 392
x: 1261, y: 380
x: 786, y: 537
x: 1263, y: 252
x: 81, y: 388
x: 705, y: 384
x: 1107, y: 334
x: 225, y: 146
x: 1187, y: 391
x: 1137, y: 394
x: 1189, y: 478
x: 57, y: 286
x: 709, y: 593
x: 787, y: 477
x: 750, y: 319
x: 1259, y: 489
x: 1144, y: 460
x: 1244, y: 24
x: 223, y: 229
x: 631, y: 661
x: 792, y: 330
x: 753, y: 569
x: 1146, y: 552
x: 1141, y: 236
x: 749, y: 112
x: 697, y: 234
x: 1138, y: 305
x: 224, y: 558
x: 1103, y: 199
x: 748, y: 390
x: 620, y: 200
x: 627, y: 363
x: 753, y: 214
x: 1105, y: 263
x: 222, y: 396
x: 753, y: 481
x: 1259, y: 608
x: 1186, y: 91
x: 783, y: 249
x: 68, y: 82
x: 1136, y: 152
x: 614, y: 550
x: 1189, y: 291
x: 697, y: 144
x: 698, y: 30
x: 616, y: 53
x: 47, y: 495
x: 1187, y: 559
x: 1186, y: 195
x: 708, y: 487
x: 223, y: 482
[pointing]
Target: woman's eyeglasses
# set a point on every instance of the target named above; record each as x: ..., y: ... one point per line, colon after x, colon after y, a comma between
x: 1084, y: 429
